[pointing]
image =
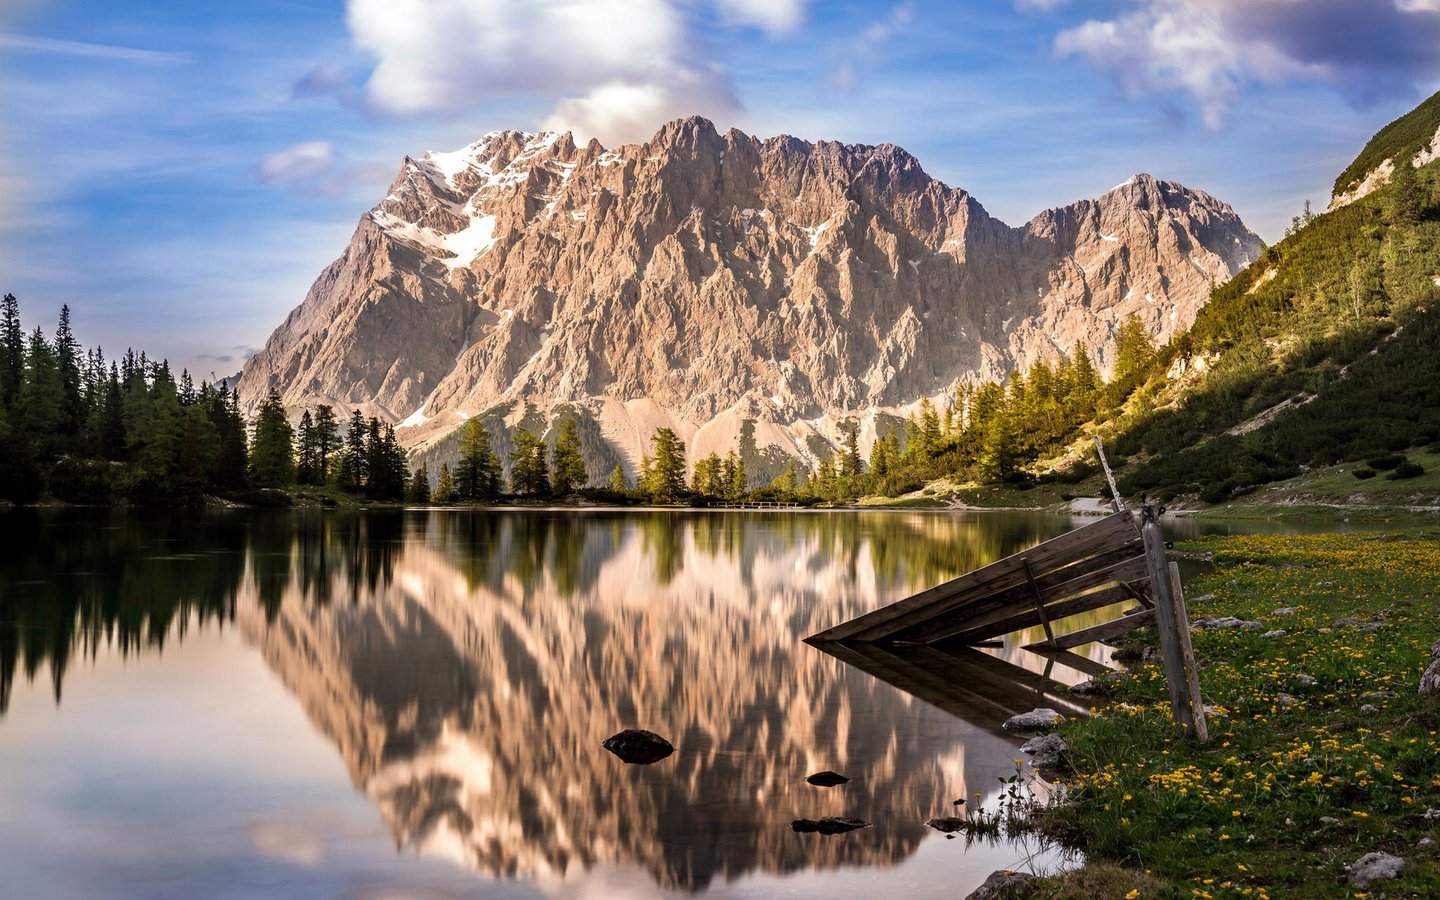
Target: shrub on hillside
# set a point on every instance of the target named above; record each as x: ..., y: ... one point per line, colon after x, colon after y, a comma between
x: 1385, y: 463
x: 1406, y: 470
x: 1363, y: 473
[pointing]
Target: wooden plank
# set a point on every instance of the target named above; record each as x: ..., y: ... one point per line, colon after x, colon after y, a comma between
x: 1074, y: 606
x: 967, y: 618
x: 1007, y: 573
x: 1183, y: 706
x: 1113, y: 628
x: 1073, y: 660
x: 1187, y: 657
x: 1039, y: 600
x: 1059, y: 583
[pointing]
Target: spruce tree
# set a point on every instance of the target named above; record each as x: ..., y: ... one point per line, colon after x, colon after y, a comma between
x: 738, y: 483
x: 618, y: 483
x: 272, y: 447
x: 444, y: 486
x: 477, y: 475
x: 326, y: 438
x: 67, y: 356
x: 353, y: 459
x: 12, y: 353
x: 418, y: 490
x: 665, y: 480
x: 306, y: 464
x: 567, y: 466
x: 42, y: 396
x: 529, y: 475
x: 1407, y: 206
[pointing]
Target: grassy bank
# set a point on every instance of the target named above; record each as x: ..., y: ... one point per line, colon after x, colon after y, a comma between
x: 1308, y: 768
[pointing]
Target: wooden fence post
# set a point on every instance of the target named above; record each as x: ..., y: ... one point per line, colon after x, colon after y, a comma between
x: 1172, y: 623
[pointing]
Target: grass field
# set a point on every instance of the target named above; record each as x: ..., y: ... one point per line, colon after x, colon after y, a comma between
x: 1299, y: 738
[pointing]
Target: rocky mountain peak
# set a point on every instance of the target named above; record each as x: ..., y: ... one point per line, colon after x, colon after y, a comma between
x: 699, y: 279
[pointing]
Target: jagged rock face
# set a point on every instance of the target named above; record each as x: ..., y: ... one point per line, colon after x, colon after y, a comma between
x: 1379, y: 176
x: 702, y: 275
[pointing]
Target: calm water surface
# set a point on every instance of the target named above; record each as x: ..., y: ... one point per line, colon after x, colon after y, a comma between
x: 412, y: 704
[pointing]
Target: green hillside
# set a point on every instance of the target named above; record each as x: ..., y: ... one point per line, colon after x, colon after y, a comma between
x: 1339, y: 322
x: 1404, y: 136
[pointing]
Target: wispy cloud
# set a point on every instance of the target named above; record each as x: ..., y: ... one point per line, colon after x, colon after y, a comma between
x: 862, y: 52
x: 1214, y: 49
x: 27, y: 43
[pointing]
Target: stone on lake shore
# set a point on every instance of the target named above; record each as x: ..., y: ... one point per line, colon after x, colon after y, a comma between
x: 1275, y: 633
x: 1373, y: 867
x: 828, y: 825
x: 947, y: 824
x: 638, y: 747
x: 1004, y: 885
x: 1220, y: 623
x: 1046, y: 752
x: 827, y: 779
x: 1034, y: 720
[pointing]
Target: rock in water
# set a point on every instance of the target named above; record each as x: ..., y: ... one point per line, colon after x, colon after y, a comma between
x: 1034, y: 720
x: 828, y: 825
x: 947, y: 824
x: 827, y: 779
x: 1373, y: 867
x: 1046, y: 752
x: 1004, y: 886
x: 638, y: 746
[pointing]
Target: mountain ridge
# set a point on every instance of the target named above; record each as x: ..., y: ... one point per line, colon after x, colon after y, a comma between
x: 700, y: 279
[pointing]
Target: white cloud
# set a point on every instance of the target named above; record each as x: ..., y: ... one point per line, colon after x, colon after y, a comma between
x: 1213, y: 49
x: 302, y: 161
x: 317, y: 167
x: 774, y: 16
x: 618, y: 112
x: 618, y: 67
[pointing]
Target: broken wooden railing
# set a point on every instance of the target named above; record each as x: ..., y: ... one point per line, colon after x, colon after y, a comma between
x: 1109, y: 561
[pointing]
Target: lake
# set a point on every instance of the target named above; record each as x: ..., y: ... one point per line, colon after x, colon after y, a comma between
x: 412, y: 704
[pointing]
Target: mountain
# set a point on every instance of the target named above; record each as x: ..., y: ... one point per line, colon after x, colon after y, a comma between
x: 701, y: 280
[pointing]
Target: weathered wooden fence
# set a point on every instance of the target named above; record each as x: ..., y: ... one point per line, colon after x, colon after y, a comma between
x: 1116, y: 559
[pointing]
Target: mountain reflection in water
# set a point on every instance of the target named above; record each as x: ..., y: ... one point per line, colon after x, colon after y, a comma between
x: 467, y: 667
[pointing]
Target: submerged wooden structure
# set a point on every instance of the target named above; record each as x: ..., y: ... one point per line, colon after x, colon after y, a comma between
x: 1113, y: 560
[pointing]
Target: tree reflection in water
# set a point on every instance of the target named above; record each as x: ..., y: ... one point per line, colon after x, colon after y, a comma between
x: 467, y: 666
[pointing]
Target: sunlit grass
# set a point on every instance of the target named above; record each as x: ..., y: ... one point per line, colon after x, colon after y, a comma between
x: 1291, y: 744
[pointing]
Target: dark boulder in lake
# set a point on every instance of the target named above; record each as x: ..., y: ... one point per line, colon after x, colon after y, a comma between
x: 638, y: 746
x: 947, y: 824
x: 827, y: 779
x: 829, y: 825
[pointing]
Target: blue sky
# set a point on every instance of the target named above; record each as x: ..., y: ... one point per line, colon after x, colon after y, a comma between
x: 179, y: 172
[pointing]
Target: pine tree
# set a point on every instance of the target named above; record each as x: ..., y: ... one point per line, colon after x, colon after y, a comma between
x: 306, y: 463
x: 418, y: 490
x: 42, y: 396
x: 666, y: 478
x: 567, y: 466
x: 272, y: 446
x: 444, y: 486
x: 326, y: 440
x: 529, y: 475
x: 67, y: 356
x: 736, y: 483
x: 353, y: 460
x: 706, y: 480
x: 850, y: 467
x: 110, y: 438
x: 12, y: 353
x: 477, y: 475
x: 618, y: 483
